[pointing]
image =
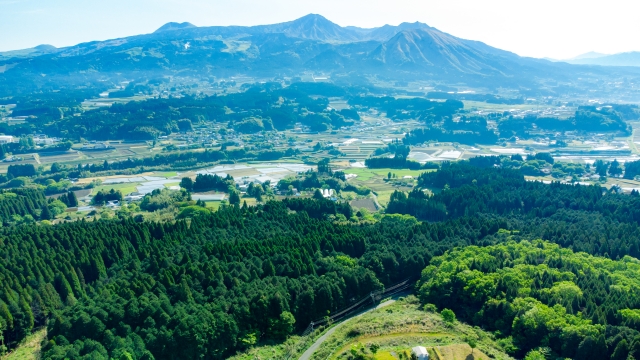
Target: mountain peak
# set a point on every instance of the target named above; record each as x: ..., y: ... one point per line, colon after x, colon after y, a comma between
x: 413, y: 25
x: 45, y: 47
x: 175, y: 26
x: 589, y: 55
x: 314, y: 27
x: 312, y: 16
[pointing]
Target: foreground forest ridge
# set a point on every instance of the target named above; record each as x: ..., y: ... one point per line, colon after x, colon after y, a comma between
x: 223, y: 282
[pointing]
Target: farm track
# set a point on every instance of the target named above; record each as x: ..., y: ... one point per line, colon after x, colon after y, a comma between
x: 312, y: 349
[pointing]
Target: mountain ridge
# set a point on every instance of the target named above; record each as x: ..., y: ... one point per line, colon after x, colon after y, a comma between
x: 310, y: 43
x: 631, y: 58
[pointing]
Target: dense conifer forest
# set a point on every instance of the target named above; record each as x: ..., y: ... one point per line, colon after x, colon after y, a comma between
x: 221, y: 282
x: 21, y: 202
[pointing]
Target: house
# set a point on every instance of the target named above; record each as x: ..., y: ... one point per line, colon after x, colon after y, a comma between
x: 131, y: 198
x: 6, y: 139
x: 420, y: 352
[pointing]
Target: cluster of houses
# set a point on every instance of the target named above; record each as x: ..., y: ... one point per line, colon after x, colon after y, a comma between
x: 38, y: 139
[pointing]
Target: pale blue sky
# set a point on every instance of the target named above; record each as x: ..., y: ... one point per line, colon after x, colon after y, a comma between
x: 551, y: 28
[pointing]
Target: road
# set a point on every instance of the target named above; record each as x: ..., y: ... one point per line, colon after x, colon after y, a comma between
x: 307, y: 354
x: 375, y: 200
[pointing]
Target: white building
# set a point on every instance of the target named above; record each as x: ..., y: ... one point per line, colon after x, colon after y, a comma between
x: 6, y: 139
x: 131, y: 198
x: 420, y: 352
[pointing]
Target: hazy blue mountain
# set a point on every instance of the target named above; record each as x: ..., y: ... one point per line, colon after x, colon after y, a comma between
x: 175, y: 26
x: 386, y: 32
x: 429, y: 48
x: 589, y: 55
x: 311, y: 43
x: 312, y: 27
x: 621, y: 59
x: 31, y: 52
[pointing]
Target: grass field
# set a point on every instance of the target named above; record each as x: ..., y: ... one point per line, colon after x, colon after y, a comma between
x: 29, y: 349
x: 125, y: 188
x: 403, y: 325
x: 365, y: 173
x: 374, y: 180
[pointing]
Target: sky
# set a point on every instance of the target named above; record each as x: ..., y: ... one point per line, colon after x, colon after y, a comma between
x: 558, y: 29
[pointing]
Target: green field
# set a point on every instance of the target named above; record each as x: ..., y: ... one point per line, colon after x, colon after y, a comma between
x: 395, y: 328
x: 366, y: 173
x: 125, y: 188
x: 403, y: 325
x: 29, y: 349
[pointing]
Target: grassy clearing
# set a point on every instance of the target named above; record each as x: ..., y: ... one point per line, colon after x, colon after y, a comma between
x: 366, y: 174
x: 403, y: 325
x: 213, y: 205
x: 125, y: 188
x: 384, y: 196
x: 29, y: 349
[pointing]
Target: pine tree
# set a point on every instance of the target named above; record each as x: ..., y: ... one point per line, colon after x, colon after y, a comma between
x: 73, y: 200
x: 234, y: 198
x: 46, y: 213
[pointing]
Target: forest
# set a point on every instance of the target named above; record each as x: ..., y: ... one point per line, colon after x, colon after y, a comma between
x: 211, y: 284
x: 606, y: 118
x: 156, y: 290
x: 259, y: 107
x: 534, y: 294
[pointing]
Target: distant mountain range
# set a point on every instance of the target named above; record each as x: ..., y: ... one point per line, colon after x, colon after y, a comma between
x: 594, y: 58
x: 409, y: 51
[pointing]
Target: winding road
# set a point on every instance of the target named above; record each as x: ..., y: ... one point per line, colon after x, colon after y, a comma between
x: 312, y: 349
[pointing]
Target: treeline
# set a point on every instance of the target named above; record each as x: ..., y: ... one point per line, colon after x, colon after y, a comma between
x: 468, y: 190
x: 422, y: 135
x: 535, y: 294
x: 208, y: 182
x: 583, y: 218
x: 398, y: 161
x: 607, y: 118
x: 428, y: 111
x: 186, y: 159
x: 488, y: 98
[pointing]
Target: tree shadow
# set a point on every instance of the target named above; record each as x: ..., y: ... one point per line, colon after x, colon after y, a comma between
x: 471, y: 357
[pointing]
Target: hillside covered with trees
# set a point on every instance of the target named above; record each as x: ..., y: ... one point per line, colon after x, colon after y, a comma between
x: 220, y: 282
x: 537, y: 295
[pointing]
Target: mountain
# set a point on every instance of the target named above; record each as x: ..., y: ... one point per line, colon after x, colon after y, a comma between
x: 312, y: 27
x: 408, y: 52
x: 589, y: 55
x: 175, y: 26
x: 31, y: 52
x: 621, y: 59
x: 386, y: 32
x: 429, y: 48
